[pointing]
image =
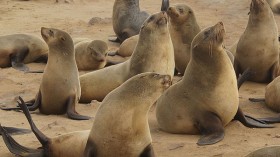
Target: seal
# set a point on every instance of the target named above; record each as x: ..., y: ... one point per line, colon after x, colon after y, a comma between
x: 128, y: 18
x: 60, y: 86
x: 266, y: 151
x: 16, y: 50
x: 258, y: 47
x: 127, y: 47
x: 153, y: 53
x: 90, y: 54
x: 274, y: 5
x: 130, y: 129
x: 206, y: 99
x: 272, y: 100
x: 183, y: 28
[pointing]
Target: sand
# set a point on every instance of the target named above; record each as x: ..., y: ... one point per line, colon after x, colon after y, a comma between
x: 73, y: 17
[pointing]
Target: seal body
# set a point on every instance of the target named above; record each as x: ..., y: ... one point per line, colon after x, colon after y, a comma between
x: 153, y: 53
x: 258, y: 47
x: 129, y: 134
x: 272, y: 95
x: 274, y: 5
x: 206, y: 99
x: 90, y: 54
x: 183, y: 28
x: 127, y: 47
x: 271, y: 151
x: 127, y: 18
x: 21, y: 49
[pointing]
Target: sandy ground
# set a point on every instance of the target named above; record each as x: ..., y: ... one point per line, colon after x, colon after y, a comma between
x: 30, y: 16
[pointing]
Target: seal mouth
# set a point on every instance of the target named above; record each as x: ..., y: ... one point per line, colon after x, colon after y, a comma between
x: 162, y: 21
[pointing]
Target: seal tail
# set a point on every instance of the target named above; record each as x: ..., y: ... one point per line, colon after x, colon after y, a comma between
x: 164, y: 5
x: 246, y: 120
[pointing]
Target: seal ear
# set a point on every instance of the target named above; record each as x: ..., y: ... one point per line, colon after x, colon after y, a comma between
x: 62, y: 38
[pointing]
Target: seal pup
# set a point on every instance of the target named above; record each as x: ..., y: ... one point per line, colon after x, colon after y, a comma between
x: 153, y: 53
x: 258, y: 47
x: 90, y: 54
x: 128, y: 18
x: 60, y: 89
x: 206, y: 99
x: 130, y: 128
x: 16, y: 50
x: 274, y: 5
x: 183, y: 28
x: 271, y: 151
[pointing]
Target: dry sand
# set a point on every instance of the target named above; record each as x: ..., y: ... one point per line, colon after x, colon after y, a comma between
x: 73, y: 17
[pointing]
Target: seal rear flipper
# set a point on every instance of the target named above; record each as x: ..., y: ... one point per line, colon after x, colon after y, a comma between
x: 17, y: 149
x: 257, y: 99
x: 148, y: 152
x: 71, y: 112
x: 271, y: 120
x: 250, y: 121
x: 16, y: 131
x: 275, y: 71
x: 17, y: 58
x: 44, y: 140
x: 34, y: 71
x: 164, y: 5
x: 114, y: 39
x: 211, y: 128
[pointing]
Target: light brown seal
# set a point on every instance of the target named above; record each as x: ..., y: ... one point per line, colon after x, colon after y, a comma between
x: 128, y: 19
x: 271, y: 151
x: 127, y: 125
x: 153, y: 53
x: 206, y: 99
x: 183, y: 28
x: 274, y: 5
x: 258, y: 47
x: 60, y: 86
x: 91, y: 54
x: 127, y: 47
x: 19, y: 49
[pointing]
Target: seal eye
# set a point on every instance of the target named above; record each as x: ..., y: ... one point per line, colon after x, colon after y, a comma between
x: 207, y: 33
x: 151, y: 19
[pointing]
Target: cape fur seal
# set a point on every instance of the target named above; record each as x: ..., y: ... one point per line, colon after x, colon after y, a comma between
x: 271, y: 151
x: 274, y: 5
x: 19, y: 49
x: 258, y: 47
x: 183, y: 28
x: 206, y: 99
x: 128, y: 19
x: 128, y: 129
x: 153, y: 53
x: 60, y: 86
x: 90, y: 54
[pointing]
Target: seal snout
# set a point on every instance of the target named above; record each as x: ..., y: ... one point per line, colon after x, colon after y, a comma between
x: 46, y: 33
x: 166, y: 80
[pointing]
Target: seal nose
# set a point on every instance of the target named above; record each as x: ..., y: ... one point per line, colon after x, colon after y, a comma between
x: 221, y: 23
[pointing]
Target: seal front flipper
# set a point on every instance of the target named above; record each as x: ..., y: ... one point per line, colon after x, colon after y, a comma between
x: 211, y: 128
x: 71, y: 112
x: 164, y: 5
x: 250, y: 121
x: 257, y: 99
x: 17, y: 58
x: 15, y: 131
x: 244, y: 77
x: 148, y: 152
x: 109, y: 63
x: 16, y: 148
x: 90, y: 150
